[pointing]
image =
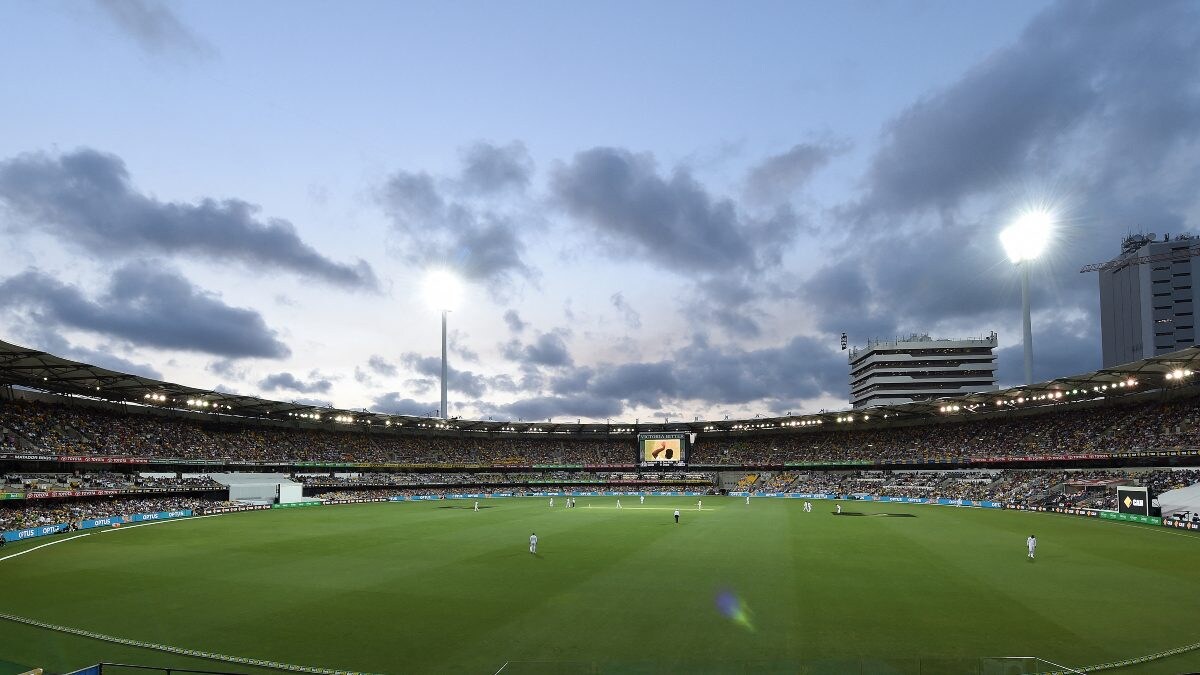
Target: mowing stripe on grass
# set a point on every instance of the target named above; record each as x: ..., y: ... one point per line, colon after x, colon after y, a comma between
x: 261, y: 663
x: 86, y: 534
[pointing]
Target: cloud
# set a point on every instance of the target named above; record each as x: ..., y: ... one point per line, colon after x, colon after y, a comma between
x: 381, y: 366
x: 549, y: 349
x: 465, y: 382
x: 86, y: 199
x: 457, y: 343
x: 482, y: 246
x: 376, y: 366
x: 287, y: 381
x: 154, y: 27
x: 149, y: 306
x: 777, y: 178
x: 227, y: 368
x: 779, y: 377
x: 48, y: 340
x: 628, y: 313
x: 678, y: 226
x: 620, y: 197
x: 549, y: 407
x: 481, y: 241
x: 1116, y: 78
x: 514, y: 322
x: 1061, y: 347
x: 490, y: 168
x: 392, y: 403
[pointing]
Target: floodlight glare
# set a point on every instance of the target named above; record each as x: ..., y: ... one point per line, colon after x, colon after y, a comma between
x: 1027, y: 237
x: 442, y: 289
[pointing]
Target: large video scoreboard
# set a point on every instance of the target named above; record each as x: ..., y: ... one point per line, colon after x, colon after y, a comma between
x: 1132, y: 499
x: 664, y: 449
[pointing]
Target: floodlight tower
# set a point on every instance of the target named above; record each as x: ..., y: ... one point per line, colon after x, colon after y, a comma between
x: 1024, y: 241
x: 443, y: 291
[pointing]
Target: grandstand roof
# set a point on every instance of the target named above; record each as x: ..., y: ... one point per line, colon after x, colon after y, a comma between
x: 41, y: 371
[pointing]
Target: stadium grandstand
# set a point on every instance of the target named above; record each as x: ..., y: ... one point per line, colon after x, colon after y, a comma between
x: 72, y: 430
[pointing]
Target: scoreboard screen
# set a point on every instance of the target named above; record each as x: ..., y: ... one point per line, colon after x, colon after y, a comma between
x: 1133, y: 500
x: 665, y: 449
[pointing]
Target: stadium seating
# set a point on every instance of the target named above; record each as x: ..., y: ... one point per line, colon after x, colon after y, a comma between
x: 69, y: 429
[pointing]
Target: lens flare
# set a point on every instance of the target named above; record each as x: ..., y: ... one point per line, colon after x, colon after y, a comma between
x: 734, y: 609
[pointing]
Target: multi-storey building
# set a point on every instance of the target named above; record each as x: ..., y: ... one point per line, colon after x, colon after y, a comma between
x: 920, y: 368
x: 1146, y: 305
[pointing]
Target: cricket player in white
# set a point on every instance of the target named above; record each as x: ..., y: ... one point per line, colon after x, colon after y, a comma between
x: 839, y: 507
x: 476, y: 506
x: 533, y: 543
x: 1031, y: 544
x: 618, y: 503
x: 747, y: 500
x: 552, y: 502
x: 699, y: 504
x: 642, y: 499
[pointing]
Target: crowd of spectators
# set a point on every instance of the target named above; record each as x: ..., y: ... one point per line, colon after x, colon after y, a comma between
x: 1060, y: 488
x: 104, y: 480
x: 1144, y: 426
x: 76, y: 429
x: 19, y: 515
x: 496, y: 478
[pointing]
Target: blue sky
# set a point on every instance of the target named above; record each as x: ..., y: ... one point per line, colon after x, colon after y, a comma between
x: 662, y: 210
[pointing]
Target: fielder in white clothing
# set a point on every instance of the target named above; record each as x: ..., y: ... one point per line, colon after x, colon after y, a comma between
x: 699, y: 505
x: 618, y: 503
x: 476, y: 506
x: 641, y: 499
x: 1031, y: 544
x: 533, y: 543
x: 839, y: 509
x: 552, y: 502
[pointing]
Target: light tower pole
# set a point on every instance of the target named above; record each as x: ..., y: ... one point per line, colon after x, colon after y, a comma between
x: 1026, y: 328
x: 1024, y: 241
x: 443, y: 291
x: 444, y: 411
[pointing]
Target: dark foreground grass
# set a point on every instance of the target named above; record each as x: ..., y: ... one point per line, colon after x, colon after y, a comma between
x: 435, y: 587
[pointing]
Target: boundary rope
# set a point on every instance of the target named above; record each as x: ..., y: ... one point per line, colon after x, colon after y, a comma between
x: 262, y: 663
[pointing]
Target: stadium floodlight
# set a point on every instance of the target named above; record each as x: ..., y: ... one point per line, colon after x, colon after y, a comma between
x: 1027, y: 238
x: 1023, y: 242
x: 443, y: 291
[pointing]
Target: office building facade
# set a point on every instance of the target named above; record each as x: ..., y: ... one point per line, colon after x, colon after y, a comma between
x: 920, y: 368
x: 1147, y: 297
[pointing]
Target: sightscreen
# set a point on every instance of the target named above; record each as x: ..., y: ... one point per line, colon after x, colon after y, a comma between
x: 663, y: 449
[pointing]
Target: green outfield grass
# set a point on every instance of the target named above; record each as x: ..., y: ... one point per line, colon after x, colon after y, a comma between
x: 433, y: 587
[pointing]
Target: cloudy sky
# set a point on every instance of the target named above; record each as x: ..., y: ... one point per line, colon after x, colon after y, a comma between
x: 667, y: 209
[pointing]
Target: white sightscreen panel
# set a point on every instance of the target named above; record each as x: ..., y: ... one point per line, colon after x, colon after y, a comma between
x: 291, y: 493
x: 252, y: 491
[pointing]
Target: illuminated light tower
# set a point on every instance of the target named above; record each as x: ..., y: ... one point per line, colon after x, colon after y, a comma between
x: 443, y: 292
x: 1024, y: 241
